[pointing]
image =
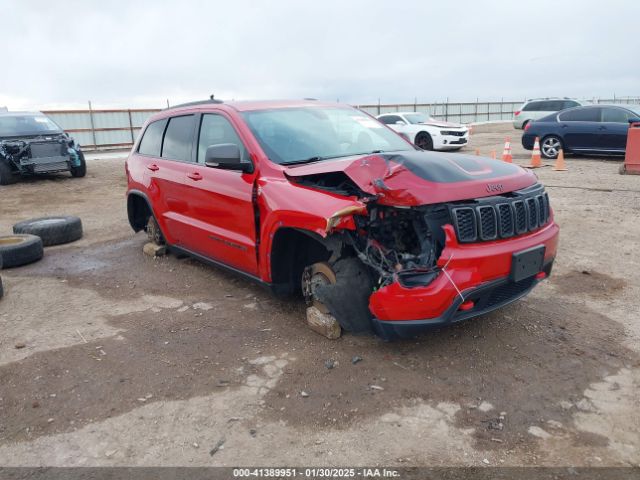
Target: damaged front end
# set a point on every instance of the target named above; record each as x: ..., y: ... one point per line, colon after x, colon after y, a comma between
x: 29, y: 156
x: 400, y: 244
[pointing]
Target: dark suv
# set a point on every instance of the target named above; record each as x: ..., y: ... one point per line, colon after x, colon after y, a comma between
x: 33, y: 144
x: 322, y: 199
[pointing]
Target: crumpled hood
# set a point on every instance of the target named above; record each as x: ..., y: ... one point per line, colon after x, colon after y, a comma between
x: 418, y: 178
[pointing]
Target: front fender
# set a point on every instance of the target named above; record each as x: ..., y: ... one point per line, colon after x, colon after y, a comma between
x: 282, y: 204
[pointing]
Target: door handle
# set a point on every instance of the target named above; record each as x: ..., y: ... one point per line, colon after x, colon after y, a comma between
x: 564, y: 125
x: 194, y: 176
x: 602, y: 128
x: 153, y: 167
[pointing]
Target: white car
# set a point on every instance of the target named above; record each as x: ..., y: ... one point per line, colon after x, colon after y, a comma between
x: 426, y: 132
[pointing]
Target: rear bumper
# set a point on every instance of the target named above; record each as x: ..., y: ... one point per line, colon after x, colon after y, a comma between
x: 479, y: 271
x: 528, y: 141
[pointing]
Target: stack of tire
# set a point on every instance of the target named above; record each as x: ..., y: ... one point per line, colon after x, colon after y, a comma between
x: 30, y: 237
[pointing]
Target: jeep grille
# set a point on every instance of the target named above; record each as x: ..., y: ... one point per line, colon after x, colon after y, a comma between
x: 502, y: 216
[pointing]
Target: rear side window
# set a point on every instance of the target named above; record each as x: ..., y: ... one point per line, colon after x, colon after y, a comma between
x: 532, y: 107
x: 152, y: 139
x: 570, y: 104
x: 616, y: 115
x: 581, y: 115
x: 554, y: 106
x: 179, y: 138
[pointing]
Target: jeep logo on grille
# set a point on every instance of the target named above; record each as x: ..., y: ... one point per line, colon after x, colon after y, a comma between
x: 495, y: 187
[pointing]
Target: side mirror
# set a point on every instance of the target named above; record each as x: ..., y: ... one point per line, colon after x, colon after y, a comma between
x: 634, y: 120
x: 400, y: 122
x: 227, y: 157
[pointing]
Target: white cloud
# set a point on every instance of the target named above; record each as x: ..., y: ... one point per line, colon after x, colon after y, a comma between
x: 129, y: 54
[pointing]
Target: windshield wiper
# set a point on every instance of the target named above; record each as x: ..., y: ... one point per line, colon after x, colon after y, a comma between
x: 304, y: 160
x: 317, y: 158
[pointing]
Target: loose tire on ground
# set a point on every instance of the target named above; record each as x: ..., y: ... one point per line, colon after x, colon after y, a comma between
x: 52, y: 230
x: 19, y: 250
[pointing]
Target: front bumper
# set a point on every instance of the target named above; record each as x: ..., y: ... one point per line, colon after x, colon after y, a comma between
x: 34, y: 166
x: 450, y: 142
x: 479, y: 271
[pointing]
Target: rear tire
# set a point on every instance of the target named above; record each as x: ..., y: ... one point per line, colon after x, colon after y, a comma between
x: 52, y: 230
x: 153, y: 231
x: 17, y: 250
x: 80, y: 171
x: 550, y: 146
x: 7, y: 177
x: 424, y: 141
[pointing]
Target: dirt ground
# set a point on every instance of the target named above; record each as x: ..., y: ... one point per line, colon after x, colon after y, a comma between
x: 109, y: 357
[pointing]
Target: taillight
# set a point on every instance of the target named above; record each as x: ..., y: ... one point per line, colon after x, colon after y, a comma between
x: 527, y: 126
x: 516, y: 113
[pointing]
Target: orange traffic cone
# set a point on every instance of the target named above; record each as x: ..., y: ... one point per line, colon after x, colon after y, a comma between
x: 536, y: 162
x: 560, y: 166
x: 493, y: 154
x: 477, y: 151
x: 506, y: 153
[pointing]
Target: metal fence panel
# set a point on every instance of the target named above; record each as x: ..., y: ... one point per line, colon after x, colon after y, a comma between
x: 96, y: 129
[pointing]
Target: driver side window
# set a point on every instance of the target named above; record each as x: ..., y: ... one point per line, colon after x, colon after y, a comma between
x: 214, y: 130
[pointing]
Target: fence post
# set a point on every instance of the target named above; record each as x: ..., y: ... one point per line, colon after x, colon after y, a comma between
x: 446, y: 111
x: 475, y: 115
x: 93, y: 127
x: 131, y: 127
x: 415, y: 104
x: 378, y: 106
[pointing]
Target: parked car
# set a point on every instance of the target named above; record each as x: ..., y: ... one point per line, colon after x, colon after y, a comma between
x: 596, y: 129
x: 33, y: 144
x: 541, y: 107
x: 425, y: 132
x: 324, y: 200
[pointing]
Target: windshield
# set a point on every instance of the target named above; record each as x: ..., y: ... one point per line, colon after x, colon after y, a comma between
x: 17, y: 125
x: 297, y: 135
x: 417, y: 117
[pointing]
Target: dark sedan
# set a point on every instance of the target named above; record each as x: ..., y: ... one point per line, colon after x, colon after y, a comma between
x: 593, y: 129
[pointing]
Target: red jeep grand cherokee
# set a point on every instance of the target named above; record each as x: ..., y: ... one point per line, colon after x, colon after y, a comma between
x: 323, y: 199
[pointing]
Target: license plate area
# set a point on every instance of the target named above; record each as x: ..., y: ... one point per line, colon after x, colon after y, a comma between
x: 527, y: 263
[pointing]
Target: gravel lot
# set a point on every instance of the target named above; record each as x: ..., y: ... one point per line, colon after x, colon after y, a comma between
x: 109, y: 357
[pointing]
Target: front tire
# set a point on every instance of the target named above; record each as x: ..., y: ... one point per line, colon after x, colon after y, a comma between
x: 550, y: 146
x: 424, y: 141
x: 341, y: 289
x: 7, y: 177
x: 80, y: 171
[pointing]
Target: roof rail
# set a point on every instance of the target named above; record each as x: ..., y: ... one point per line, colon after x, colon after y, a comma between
x: 197, y: 102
